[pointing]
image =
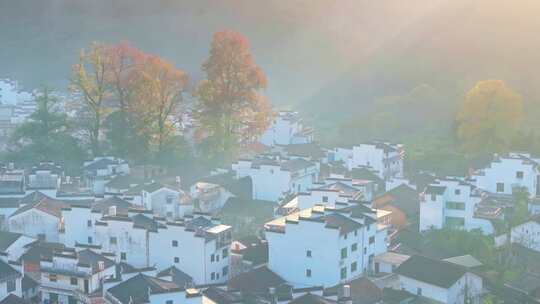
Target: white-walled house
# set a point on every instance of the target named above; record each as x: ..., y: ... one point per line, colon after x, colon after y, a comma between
x: 286, y: 128
x: 166, y: 201
x: 74, y: 277
x: 527, y: 234
x: 507, y: 172
x: 13, y: 244
x: 211, y: 197
x: 453, y: 203
x: 99, y: 171
x: 386, y: 159
x: 441, y: 281
x: 44, y: 176
x: 273, y: 178
x: 10, y: 281
x: 323, y: 246
x: 197, y: 245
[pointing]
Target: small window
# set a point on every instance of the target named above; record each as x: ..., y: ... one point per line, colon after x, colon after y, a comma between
x: 433, y: 197
x: 354, y: 267
x: 365, y: 250
x: 73, y: 281
x: 112, y: 240
x: 123, y: 256
x: 175, y: 243
x: 169, y: 302
x: 368, y: 227
x: 325, y: 199
x: 308, y: 253
x: 212, y: 257
x: 217, y: 257
x: 308, y: 273
x: 344, y: 253
x: 225, y: 270
x: 89, y: 223
x: 213, y: 276
x: 419, y: 291
x: 356, y: 232
x: 343, y: 273
x: 500, y: 187
x: 176, y: 260
x: 225, y: 253
x: 52, y: 278
x: 457, y: 192
x: 519, y: 175
x: 90, y: 240
x: 354, y: 247
x: 11, y: 285
x: 371, y: 239
x: 345, y: 235
x: 169, y: 200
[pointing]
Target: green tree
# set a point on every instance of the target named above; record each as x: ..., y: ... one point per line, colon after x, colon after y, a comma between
x: 46, y: 136
x: 489, y: 118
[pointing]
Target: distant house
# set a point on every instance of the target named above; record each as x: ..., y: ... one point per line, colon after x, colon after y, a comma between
x: 120, y: 184
x: 273, y: 178
x: 387, y: 262
x: 507, y: 172
x: 439, y: 280
x: 527, y: 234
x: 74, y: 277
x: 12, y: 183
x: 166, y: 201
x: 404, y: 203
x: 247, y: 254
x: 286, y: 128
x: 386, y: 159
x: 99, y: 171
x: 456, y: 204
x: 45, y: 177
x: 13, y: 244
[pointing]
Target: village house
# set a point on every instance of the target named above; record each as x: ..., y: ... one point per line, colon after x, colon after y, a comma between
x: 198, y: 245
x: 527, y: 234
x: 323, y: 246
x: 143, y: 288
x: 10, y: 281
x: 45, y: 177
x: 404, y: 203
x: 287, y: 128
x: 166, y: 201
x: 507, y: 172
x: 273, y: 178
x: 12, y: 183
x: 74, y: 277
x: 386, y: 159
x: 248, y: 253
x: 456, y: 204
x: 441, y: 281
x: 99, y: 171
x: 12, y: 245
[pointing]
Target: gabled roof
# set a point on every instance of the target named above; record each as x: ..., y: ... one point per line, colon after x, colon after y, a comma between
x: 178, y: 277
x: 124, y: 181
x: 102, y: 206
x: 341, y: 222
x: 467, y: 261
x: 8, y: 238
x: 45, y: 204
x: 312, y: 150
x: 13, y: 299
x: 91, y: 258
x: 136, y: 290
x: 435, y: 272
x: 220, y: 296
x: 102, y: 163
x: 310, y: 298
x: 404, y: 198
x: 257, y: 280
x: 6, y: 271
x: 434, y: 189
x: 296, y: 164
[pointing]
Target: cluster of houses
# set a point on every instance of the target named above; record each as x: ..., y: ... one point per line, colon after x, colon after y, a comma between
x: 120, y: 234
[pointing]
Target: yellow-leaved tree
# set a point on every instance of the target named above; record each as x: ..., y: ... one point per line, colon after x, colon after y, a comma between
x: 489, y: 118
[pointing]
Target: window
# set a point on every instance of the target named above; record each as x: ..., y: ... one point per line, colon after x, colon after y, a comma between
x: 344, y: 253
x: 419, y: 291
x: 325, y: 199
x: 354, y: 247
x: 308, y: 253
x: 212, y: 257
x: 217, y: 257
x: 519, y: 175
x: 354, y: 267
x: 457, y: 192
x: 345, y: 236
x: 169, y: 302
x: 454, y: 222
x: 11, y: 286
x: 356, y: 232
x: 73, y: 281
x: 455, y: 205
x: 176, y: 260
x: 169, y: 214
x: 343, y: 273
x: 225, y: 253
x: 89, y: 223
x: 308, y: 273
x: 52, y: 278
x: 90, y: 240
x: 175, y: 243
x: 371, y: 239
x: 123, y: 256
x: 433, y: 197
x: 169, y: 200
x: 500, y: 187
x: 225, y: 270
x: 112, y: 240
x: 213, y: 276
x: 365, y: 250
x: 368, y: 227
